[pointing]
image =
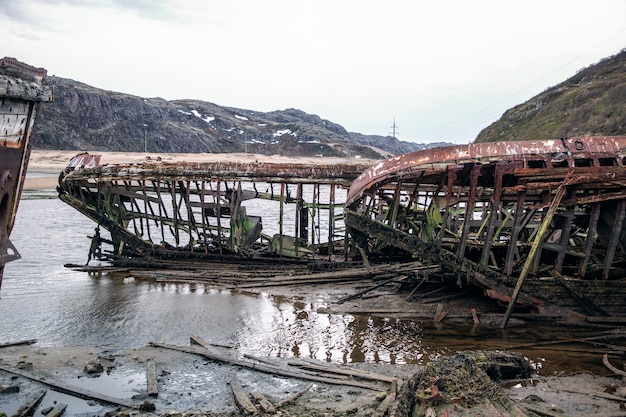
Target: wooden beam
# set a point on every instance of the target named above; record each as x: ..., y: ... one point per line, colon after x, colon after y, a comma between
x: 73, y: 391
x: 534, y: 250
x: 615, y: 238
x: 591, y: 238
x: 241, y: 397
x: 469, y: 210
x: 517, y: 226
x: 151, y: 376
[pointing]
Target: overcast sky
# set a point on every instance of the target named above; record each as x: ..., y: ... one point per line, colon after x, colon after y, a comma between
x: 443, y: 69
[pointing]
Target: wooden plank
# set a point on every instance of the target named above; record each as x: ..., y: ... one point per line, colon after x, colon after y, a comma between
x: 292, y: 398
x: 543, y: 228
x: 496, y: 207
x: 591, y: 237
x: 201, y: 342
x: 264, y: 403
x: 73, y: 391
x: 615, y: 238
x: 29, y: 408
x: 151, y: 375
x: 241, y: 397
x: 306, y: 363
x: 566, y: 230
x: 580, y: 297
x: 18, y: 343
x: 212, y: 355
x: 57, y: 411
x: 469, y: 211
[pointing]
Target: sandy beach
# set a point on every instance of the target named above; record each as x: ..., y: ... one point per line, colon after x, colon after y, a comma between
x: 53, y: 162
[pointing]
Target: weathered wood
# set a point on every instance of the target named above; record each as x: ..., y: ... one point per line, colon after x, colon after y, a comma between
x: 294, y: 397
x: 28, y: 409
x: 57, y: 411
x: 207, y: 345
x: 606, y: 320
x: 368, y: 289
x: 73, y: 391
x: 566, y: 231
x: 261, y: 367
x: 241, y: 397
x: 474, y: 316
x: 384, y: 405
x: 151, y: 375
x: 543, y: 228
x: 605, y: 361
x: 591, y: 237
x: 469, y: 210
x: 304, y: 363
x: 264, y: 403
x: 18, y: 343
x: 615, y: 238
x: 583, y: 300
x: 598, y: 394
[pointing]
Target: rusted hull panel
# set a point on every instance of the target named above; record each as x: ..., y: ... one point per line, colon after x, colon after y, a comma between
x: 212, y: 210
x: 21, y: 91
x: 479, y: 209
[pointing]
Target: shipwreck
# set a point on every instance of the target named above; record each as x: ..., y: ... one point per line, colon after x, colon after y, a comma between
x: 21, y: 92
x: 545, y: 216
x: 530, y: 223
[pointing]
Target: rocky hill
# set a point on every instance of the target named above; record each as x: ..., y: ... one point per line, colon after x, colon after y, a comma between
x: 593, y: 102
x: 87, y: 118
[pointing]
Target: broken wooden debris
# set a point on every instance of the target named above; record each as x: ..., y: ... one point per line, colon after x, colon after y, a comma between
x: 18, y: 343
x: 197, y: 340
x: 29, y: 408
x: 368, y: 289
x: 267, y: 368
x: 151, y: 376
x: 292, y: 398
x: 605, y: 361
x: 57, y: 411
x: 265, y: 405
x: 73, y: 391
x: 341, y: 370
x: 241, y: 397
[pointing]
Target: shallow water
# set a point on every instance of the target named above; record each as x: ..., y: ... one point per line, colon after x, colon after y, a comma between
x: 41, y: 299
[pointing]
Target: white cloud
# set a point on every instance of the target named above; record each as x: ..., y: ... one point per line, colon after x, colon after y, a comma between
x: 444, y: 69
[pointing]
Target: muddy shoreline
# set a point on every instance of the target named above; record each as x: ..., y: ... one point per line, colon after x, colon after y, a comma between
x: 198, y: 385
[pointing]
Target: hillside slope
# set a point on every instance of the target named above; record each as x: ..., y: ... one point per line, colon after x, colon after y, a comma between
x: 593, y: 102
x: 87, y: 118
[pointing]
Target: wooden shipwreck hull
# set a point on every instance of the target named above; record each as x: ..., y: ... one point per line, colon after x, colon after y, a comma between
x: 21, y: 91
x: 213, y: 211
x: 538, y: 220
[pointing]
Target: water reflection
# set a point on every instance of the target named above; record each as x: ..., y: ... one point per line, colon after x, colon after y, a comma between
x: 40, y: 299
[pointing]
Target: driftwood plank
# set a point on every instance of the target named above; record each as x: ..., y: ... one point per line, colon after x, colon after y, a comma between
x: 73, y: 391
x: 151, y: 376
x: 29, y: 408
x: 241, y: 398
x: 212, y: 355
x: 58, y: 410
x: 617, y: 371
x: 264, y: 403
x: 18, y: 343
x: 207, y: 345
x: 294, y: 397
x: 343, y: 371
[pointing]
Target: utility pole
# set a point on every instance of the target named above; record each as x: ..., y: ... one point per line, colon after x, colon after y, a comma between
x: 393, y: 135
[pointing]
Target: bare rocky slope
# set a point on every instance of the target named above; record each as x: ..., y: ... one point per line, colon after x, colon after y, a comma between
x: 83, y: 117
x: 589, y: 103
